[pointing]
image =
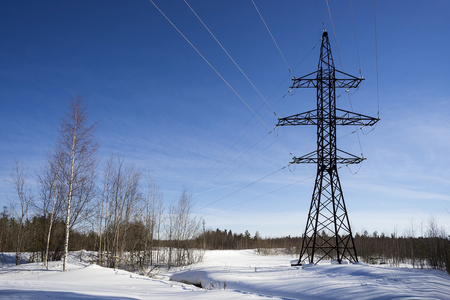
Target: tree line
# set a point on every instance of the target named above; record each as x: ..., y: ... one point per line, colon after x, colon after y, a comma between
x: 141, y: 249
x: 227, y: 240
x: 430, y: 250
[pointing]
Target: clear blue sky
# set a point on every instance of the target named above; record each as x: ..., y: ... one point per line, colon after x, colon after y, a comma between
x: 159, y: 105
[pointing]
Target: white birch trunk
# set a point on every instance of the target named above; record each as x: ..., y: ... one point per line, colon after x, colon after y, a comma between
x: 69, y: 198
x: 51, y: 224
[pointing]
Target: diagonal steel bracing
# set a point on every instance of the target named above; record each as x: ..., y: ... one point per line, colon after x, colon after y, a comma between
x: 327, y: 234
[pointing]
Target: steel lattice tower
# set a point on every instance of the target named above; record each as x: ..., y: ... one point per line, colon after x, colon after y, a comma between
x: 327, y: 233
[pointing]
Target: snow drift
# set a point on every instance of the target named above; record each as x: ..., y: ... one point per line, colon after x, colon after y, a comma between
x: 223, y: 275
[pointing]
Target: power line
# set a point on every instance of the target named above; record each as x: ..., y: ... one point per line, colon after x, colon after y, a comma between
x: 240, y: 138
x: 237, y: 159
x: 288, y: 76
x: 357, y: 132
x: 342, y: 66
x: 359, y: 168
x: 230, y: 164
x: 356, y: 40
x: 334, y: 33
x: 376, y: 55
x: 227, y: 150
x: 254, y: 156
x: 320, y: 15
x: 217, y: 72
x: 216, y: 188
x: 224, y: 80
x: 271, y: 192
x: 210, y: 65
x: 273, y: 39
x: 268, y: 193
x: 229, y: 56
x: 242, y: 188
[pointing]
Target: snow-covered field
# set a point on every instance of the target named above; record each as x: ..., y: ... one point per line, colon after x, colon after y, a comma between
x: 224, y: 275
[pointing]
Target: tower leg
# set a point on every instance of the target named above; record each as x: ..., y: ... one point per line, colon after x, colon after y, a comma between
x: 327, y: 232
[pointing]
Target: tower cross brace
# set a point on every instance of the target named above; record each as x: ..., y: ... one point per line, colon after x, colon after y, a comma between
x: 327, y: 233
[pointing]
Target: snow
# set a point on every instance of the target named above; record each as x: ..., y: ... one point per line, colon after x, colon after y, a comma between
x: 223, y: 275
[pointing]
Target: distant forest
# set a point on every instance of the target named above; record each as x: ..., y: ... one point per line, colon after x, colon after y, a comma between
x: 431, y: 251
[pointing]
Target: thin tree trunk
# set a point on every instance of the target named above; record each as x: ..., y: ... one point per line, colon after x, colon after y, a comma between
x: 69, y: 198
x: 51, y: 223
x: 100, y: 253
x: 18, y: 179
x: 19, y: 242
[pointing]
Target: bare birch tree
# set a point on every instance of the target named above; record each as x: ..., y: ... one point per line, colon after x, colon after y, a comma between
x: 122, y: 197
x: 182, y: 229
x: 50, y: 204
x: 170, y: 226
x: 19, y: 175
x: 104, y: 209
x: 76, y: 148
x: 152, y: 218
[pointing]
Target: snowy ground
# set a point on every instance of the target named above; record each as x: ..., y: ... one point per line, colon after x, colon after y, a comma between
x: 224, y: 275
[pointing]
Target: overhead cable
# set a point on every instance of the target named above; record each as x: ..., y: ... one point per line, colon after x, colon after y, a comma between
x: 218, y: 74
x: 229, y: 56
x: 245, y: 126
x: 273, y: 39
x: 320, y: 15
x: 334, y: 33
x: 376, y: 55
x: 239, y: 139
x: 242, y: 188
x: 342, y: 66
x: 254, y: 156
x: 230, y: 164
x: 260, y: 196
x: 210, y: 65
x: 356, y: 39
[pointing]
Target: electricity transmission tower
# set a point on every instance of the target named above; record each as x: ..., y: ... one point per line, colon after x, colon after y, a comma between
x: 327, y: 233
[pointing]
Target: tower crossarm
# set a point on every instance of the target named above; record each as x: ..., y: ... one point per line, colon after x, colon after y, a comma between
x: 305, y: 81
x: 347, y: 82
x: 311, y: 118
x: 352, y: 118
x: 306, y: 118
x: 313, y: 158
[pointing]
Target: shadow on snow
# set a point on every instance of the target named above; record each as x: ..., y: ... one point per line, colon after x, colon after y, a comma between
x: 37, y: 295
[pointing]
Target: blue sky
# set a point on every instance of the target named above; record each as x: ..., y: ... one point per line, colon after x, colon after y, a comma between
x: 162, y: 107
